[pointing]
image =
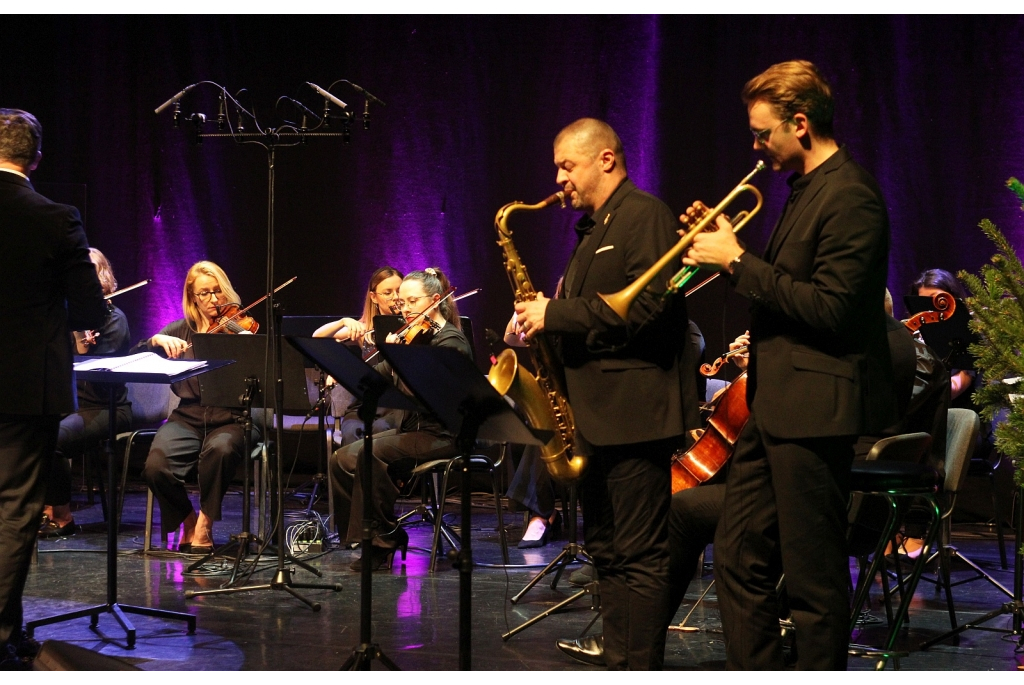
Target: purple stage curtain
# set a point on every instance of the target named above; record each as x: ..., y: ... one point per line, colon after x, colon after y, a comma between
x: 933, y: 106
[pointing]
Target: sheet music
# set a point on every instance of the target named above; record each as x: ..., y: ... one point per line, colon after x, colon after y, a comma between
x: 144, y: 362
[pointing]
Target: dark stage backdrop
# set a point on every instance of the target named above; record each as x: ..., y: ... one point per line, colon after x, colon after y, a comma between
x: 934, y: 107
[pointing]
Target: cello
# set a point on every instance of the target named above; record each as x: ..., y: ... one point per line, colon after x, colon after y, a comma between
x: 715, y: 446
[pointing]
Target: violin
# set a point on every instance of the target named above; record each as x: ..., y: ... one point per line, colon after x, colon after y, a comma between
x: 89, y: 338
x: 231, y: 316
x: 715, y: 446
x: 230, y: 319
x: 944, y: 304
x: 421, y: 328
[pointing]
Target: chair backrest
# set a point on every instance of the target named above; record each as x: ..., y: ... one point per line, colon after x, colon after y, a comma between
x: 151, y: 404
x: 962, y: 427
x: 908, y: 447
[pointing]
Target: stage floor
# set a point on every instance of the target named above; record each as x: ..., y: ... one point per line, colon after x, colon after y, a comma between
x: 415, y: 613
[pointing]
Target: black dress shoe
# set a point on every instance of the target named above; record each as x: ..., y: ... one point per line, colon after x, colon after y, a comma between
x: 588, y: 649
x: 52, y: 529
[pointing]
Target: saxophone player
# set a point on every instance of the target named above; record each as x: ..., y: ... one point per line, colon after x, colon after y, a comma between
x: 631, y: 389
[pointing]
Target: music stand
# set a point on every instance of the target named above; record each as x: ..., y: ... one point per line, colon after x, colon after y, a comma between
x: 238, y: 386
x: 305, y: 326
x: 112, y: 606
x: 251, y: 352
x: 450, y: 384
x: 372, y: 390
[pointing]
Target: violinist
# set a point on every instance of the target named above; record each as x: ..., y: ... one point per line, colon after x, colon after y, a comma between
x: 419, y: 436
x: 87, y: 427
x: 381, y: 298
x: 209, y: 439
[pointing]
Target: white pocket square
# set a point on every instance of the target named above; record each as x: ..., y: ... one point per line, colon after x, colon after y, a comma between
x: 605, y: 249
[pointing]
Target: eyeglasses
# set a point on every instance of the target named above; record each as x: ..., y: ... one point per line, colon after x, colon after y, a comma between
x: 388, y: 294
x: 204, y: 295
x: 763, y: 135
x: 412, y: 301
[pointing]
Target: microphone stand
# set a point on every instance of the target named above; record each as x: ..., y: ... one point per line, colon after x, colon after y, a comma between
x: 270, y: 139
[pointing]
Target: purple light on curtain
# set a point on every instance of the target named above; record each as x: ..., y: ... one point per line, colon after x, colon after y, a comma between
x: 633, y: 110
x: 172, y: 248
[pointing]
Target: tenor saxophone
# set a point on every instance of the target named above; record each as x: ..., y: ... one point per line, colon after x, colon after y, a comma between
x: 541, y: 398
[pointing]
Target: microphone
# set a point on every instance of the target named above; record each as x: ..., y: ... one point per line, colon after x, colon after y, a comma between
x: 221, y: 113
x: 174, y: 99
x: 366, y: 114
x: 306, y: 111
x: 325, y: 95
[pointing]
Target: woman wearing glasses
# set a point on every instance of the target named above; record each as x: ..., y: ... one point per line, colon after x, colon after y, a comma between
x: 381, y: 298
x: 419, y: 437
x: 207, y: 438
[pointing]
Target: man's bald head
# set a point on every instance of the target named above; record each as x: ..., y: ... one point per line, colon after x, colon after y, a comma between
x: 591, y: 136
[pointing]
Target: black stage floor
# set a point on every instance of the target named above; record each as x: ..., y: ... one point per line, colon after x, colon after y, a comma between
x: 415, y: 613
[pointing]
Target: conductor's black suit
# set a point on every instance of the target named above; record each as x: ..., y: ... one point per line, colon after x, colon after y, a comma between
x: 633, y: 395
x: 50, y: 289
x: 819, y: 374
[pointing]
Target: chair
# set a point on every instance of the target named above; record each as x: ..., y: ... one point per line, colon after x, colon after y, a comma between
x: 962, y: 431
x: 152, y: 403
x: 892, y: 470
x: 435, y: 474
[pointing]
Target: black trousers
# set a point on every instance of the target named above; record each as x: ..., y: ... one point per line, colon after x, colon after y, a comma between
x: 531, y: 486
x: 625, y: 496
x: 26, y: 449
x: 692, y: 520
x: 785, y: 511
x: 177, y: 449
x: 79, y: 432
x: 389, y: 447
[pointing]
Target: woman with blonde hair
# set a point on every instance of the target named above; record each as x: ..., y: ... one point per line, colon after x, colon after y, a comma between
x: 209, y: 439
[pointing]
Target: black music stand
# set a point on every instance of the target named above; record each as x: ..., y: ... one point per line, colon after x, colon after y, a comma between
x: 112, y: 606
x: 305, y: 326
x: 252, y: 352
x: 450, y: 384
x: 238, y: 386
x: 372, y: 390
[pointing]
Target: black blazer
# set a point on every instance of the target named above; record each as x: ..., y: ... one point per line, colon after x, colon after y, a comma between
x: 819, y: 361
x: 632, y: 381
x: 50, y: 289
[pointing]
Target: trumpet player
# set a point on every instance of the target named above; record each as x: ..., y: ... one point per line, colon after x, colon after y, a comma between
x: 817, y: 349
x: 627, y: 382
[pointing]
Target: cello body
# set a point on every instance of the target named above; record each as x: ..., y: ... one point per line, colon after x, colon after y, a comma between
x: 714, y: 447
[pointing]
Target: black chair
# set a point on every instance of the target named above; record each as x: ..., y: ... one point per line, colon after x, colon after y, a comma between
x: 435, y: 475
x: 892, y: 471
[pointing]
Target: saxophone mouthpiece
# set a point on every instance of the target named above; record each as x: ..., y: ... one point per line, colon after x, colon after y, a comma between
x: 561, y: 198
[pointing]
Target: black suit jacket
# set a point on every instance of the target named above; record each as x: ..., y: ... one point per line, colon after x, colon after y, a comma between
x: 819, y: 363
x: 50, y: 289
x: 629, y: 381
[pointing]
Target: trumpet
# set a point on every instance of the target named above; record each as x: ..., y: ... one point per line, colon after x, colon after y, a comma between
x: 621, y: 301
